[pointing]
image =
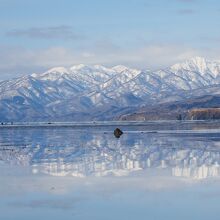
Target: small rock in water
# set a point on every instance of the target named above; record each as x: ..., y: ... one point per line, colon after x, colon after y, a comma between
x: 118, y: 133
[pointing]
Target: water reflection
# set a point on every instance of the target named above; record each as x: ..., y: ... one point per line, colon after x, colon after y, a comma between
x: 81, y: 153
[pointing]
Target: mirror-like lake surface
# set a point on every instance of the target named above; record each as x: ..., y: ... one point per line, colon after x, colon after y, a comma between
x: 154, y: 171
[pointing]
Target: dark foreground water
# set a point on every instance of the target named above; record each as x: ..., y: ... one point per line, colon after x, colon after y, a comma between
x: 154, y: 171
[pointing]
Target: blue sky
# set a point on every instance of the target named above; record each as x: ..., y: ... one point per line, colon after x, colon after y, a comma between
x: 37, y: 35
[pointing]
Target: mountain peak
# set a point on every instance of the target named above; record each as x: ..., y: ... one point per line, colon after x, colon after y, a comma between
x: 198, y: 59
x: 196, y: 64
x: 57, y: 70
x: 51, y: 74
x: 119, y: 68
x: 80, y: 67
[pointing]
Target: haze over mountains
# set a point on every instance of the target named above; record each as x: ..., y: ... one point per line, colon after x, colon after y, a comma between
x: 99, y: 93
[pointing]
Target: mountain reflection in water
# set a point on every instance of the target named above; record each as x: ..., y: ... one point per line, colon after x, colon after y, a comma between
x: 81, y: 153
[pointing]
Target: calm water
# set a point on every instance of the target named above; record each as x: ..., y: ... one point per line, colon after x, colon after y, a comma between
x: 154, y: 171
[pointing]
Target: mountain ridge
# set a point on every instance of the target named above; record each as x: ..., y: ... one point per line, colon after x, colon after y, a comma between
x: 96, y: 92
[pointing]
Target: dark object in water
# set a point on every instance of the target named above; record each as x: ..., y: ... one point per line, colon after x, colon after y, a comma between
x: 179, y: 117
x: 118, y: 133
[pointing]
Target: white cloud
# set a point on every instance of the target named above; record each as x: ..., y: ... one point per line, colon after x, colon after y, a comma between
x: 53, y: 32
x: 16, y: 60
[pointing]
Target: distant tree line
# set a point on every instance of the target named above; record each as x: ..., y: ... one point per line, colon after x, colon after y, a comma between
x: 204, y: 114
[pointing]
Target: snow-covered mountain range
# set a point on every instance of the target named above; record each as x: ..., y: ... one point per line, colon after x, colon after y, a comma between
x: 99, y: 93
